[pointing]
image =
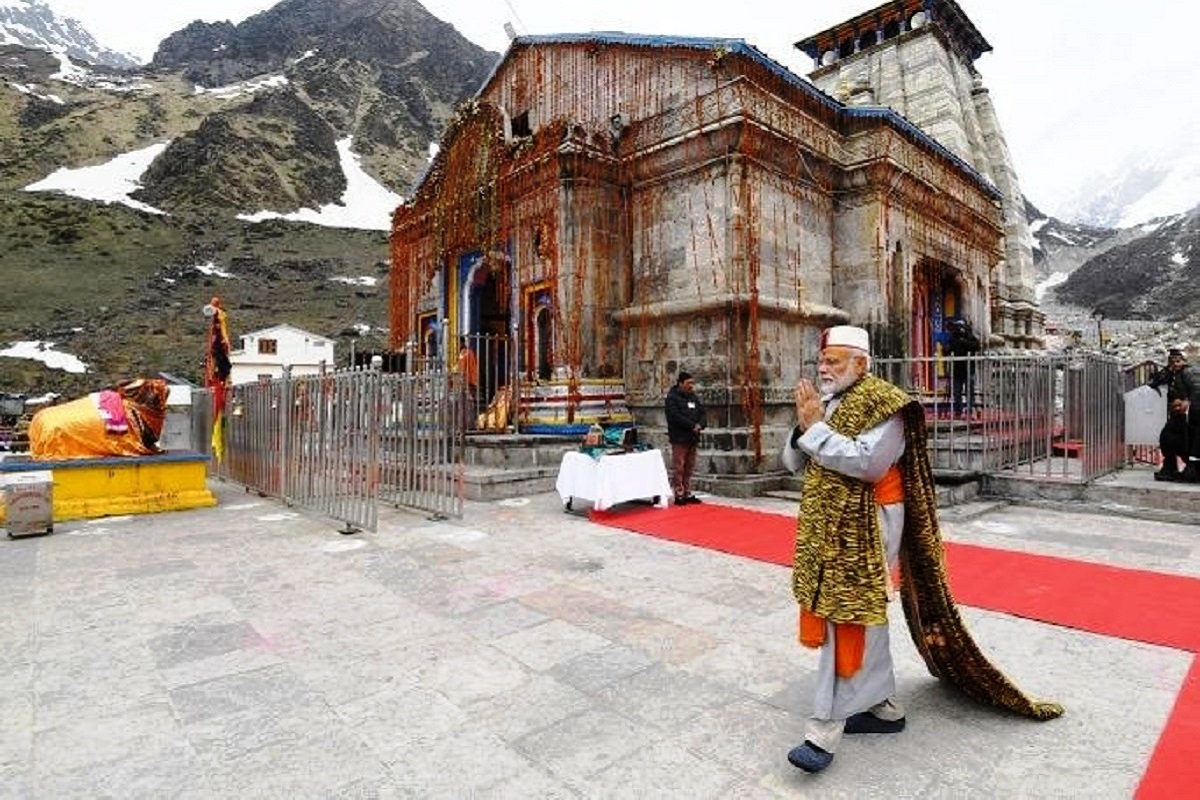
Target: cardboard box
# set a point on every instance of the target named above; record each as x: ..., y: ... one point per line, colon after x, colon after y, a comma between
x: 29, y: 503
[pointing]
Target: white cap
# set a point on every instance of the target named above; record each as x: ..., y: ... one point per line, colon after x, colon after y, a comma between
x: 846, y: 336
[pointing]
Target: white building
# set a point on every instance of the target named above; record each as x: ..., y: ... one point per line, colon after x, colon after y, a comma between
x: 265, y: 353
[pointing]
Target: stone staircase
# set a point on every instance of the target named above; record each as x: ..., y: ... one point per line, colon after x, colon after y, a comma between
x: 499, y: 467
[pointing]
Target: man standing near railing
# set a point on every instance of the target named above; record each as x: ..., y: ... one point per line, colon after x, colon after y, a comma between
x: 963, y: 344
x: 1177, y: 437
x: 868, y: 502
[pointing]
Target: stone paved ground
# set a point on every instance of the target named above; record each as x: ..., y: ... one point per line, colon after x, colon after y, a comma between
x: 251, y: 651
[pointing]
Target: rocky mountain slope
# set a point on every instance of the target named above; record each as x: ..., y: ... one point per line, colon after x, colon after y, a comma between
x: 248, y: 118
x: 1154, y: 276
x: 1134, y: 290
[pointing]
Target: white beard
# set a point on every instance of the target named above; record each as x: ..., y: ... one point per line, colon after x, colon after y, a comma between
x: 835, y: 386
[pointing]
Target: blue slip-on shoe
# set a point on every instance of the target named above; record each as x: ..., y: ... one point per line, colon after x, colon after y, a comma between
x: 809, y: 757
x: 866, y: 722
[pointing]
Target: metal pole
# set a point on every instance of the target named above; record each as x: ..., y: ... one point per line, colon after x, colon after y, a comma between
x: 514, y: 346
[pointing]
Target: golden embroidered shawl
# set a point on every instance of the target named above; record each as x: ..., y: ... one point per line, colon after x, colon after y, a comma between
x: 936, y: 628
x: 840, y: 570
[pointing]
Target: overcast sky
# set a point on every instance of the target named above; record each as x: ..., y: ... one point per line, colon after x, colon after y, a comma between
x: 1080, y: 85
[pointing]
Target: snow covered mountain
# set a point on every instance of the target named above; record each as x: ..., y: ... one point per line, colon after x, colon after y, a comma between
x: 1161, y: 180
x: 29, y: 23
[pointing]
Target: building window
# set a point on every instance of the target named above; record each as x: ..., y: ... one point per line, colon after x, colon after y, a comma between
x: 520, y: 126
x: 268, y: 347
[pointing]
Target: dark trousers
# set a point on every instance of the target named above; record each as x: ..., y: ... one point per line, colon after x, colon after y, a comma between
x: 1173, y: 441
x: 683, y: 464
x: 961, y: 388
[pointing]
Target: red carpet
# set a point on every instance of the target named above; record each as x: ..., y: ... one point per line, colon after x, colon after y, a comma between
x: 1151, y: 607
x: 1175, y: 764
x: 1131, y: 604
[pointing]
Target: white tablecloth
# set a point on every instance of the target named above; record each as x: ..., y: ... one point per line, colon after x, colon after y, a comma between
x: 613, y: 479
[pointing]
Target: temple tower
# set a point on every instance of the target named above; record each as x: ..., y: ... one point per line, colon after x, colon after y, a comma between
x: 918, y: 58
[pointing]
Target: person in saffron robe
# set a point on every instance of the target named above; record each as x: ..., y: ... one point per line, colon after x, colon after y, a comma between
x: 468, y: 366
x: 868, y: 503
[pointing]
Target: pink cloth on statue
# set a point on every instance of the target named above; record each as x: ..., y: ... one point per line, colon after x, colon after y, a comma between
x: 112, y: 411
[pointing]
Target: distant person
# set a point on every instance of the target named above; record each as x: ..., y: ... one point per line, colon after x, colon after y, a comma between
x: 1175, y: 440
x: 685, y: 421
x: 869, y: 501
x: 1191, y: 473
x: 468, y: 366
x: 963, y: 343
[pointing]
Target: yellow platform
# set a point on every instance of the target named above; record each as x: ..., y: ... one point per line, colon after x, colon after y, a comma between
x: 86, y: 488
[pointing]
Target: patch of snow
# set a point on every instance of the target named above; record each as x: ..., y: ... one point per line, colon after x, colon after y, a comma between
x: 111, y: 182
x: 1161, y: 222
x: 305, y: 55
x: 434, y: 148
x: 45, y: 352
x: 366, y: 204
x: 1049, y: 283
x: 68, y: 72
x: 245, y: 87
x: 362, y: 328
x: 32, y: 91
x: 416, y: 56
x: 1062, y: 238
x: 42, y: 399
x: 362, y: 280
x: 1038, y: 224
x: 1179, y: 259
x: 212, y: 269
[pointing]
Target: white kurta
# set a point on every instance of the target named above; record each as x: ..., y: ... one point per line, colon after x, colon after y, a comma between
x: 866, y: 457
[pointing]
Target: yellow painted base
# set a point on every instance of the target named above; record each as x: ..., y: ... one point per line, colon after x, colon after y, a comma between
x: 104, y: 487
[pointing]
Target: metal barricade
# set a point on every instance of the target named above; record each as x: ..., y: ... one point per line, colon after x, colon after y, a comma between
x: 1052, y: 416
x: 202, y: 425
x: 252, y: 453
x: 421, y: 441
x: 328, y: 444
x: 340, y: 442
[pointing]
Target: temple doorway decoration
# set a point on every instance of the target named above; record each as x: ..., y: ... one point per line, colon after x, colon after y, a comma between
x: 538, y: 313
x: 428, y: 335
x: 939, y: 295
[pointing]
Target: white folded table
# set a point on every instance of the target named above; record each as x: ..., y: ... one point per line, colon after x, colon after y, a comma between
x: 613, y: 478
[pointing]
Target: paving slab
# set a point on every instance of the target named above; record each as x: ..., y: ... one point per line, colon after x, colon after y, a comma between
x: 250, y: 650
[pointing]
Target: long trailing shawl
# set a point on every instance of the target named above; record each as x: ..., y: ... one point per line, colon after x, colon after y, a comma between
x: 933, y: 620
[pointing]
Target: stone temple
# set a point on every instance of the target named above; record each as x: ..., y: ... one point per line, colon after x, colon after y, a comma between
x: 621, y: 207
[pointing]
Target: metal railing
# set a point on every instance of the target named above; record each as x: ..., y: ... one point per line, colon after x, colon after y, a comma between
x: 341, y: 442
x: 493, y: 353
x: 1050, y: 416
x: 421, y: 441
